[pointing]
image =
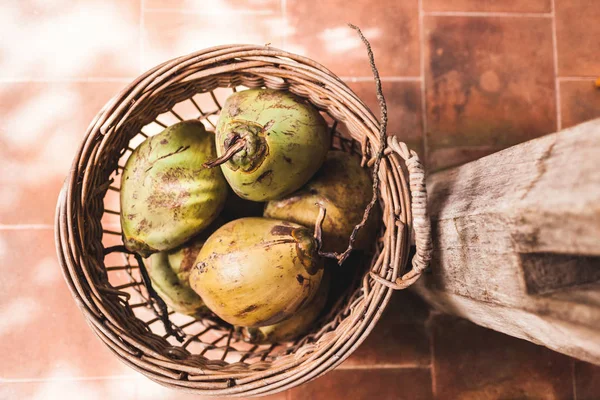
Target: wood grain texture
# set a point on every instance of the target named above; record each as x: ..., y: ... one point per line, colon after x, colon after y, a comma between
x: 546, y: 191
x: 517, y: 241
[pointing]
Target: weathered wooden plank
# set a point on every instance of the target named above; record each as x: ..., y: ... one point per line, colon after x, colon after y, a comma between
x: 560, y: 334
x: 547, y: 190
x: 517, y: 239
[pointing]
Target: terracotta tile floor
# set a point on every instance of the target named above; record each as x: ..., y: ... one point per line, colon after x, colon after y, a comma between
x: 489, y: 84
x: 463, y: 78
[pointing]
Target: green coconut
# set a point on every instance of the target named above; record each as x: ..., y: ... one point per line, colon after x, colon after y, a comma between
x: 294, y: 326
x: 269, y: 143
x: 344, y: 189
x: 167, y: 195
x: 257, y: 271
x: 169, y: 272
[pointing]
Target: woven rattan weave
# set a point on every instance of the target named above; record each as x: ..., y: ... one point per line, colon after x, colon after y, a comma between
x: 212, y: 360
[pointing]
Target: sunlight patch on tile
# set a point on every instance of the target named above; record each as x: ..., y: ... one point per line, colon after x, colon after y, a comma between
x: 216, y: 6
x: 147, y: 389
x: 40, y: 111
x: 3, y: 246
x: 43, y: 125
x: 57, y: 41
x: 46, y: 272
x: 168, y: 35
x: 8, y: 197
x: 321, y: 33
x: 17, y: 313
x: 72, y: 390
x: 340, y: 39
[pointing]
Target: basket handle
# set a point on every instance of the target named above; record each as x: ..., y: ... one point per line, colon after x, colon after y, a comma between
x: 420, y: 218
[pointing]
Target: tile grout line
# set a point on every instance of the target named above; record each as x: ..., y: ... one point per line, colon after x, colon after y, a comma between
x: 576, y: 78
x: 204, y: 12
x: 283, y: 5
x: 382, y: 366
x: 67, y: 379
x: 487, y: 14
x: 432, y: 371
x: 422, y: 79
x: 574, y: 379
x: 129, y: 79
x: 141, y: 33
x: 555, y: 65
x: 69, y: 80
x: 18, y: 227
x: 383, y: 78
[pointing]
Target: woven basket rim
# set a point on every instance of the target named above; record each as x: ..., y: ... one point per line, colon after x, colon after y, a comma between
x: 79, y: 213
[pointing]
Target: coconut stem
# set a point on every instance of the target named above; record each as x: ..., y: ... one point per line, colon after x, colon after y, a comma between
x: 318, y: 235
x: 341, y: 257
x: 230, y: 152
x: 163, y: 313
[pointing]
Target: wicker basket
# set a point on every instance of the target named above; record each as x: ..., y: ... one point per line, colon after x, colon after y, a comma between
x: 109, y: 288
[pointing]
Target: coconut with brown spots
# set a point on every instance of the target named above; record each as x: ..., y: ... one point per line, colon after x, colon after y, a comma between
x: 167, y: 195
x: 269, y: 143
x: 257, y: 271
x: 170, y: 275
x: 344, y: 188
x: 294, y: 326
